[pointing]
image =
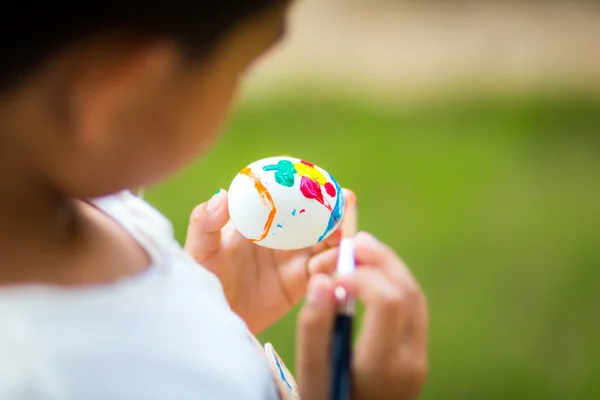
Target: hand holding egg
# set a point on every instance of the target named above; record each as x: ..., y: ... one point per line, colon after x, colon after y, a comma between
x: 285, y: 203
x: 274, y: 204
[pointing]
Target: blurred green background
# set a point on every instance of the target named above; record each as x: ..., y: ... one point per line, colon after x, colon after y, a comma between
x: 492, y: 201
x: 448, y: 122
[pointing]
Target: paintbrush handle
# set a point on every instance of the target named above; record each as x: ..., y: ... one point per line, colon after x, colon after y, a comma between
x: 346, y: 263
x: 341, y: 350
x: 341, y: 377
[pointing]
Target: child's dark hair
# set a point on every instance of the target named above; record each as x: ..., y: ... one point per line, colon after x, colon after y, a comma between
x: 33, y: 31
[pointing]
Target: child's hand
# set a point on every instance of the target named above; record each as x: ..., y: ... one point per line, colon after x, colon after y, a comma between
x: 261, y: 285
x: 390, y: 357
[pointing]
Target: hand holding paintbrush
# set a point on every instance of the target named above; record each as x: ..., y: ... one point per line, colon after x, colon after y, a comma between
x: 390, y: 357
x: 341, y: 350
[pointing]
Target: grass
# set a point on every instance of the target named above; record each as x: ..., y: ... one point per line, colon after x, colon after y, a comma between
x: 493, y: 202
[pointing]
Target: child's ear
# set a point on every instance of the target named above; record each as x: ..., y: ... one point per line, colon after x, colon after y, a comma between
x: 111, y: 80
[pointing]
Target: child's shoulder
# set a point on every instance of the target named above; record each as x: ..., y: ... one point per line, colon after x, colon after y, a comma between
x: 132, y: 211
x: 170, y: 327
x: 150, y: 228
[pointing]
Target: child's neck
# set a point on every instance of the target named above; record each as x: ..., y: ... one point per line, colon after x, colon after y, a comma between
x: 28, y: 204
x: 34, y: 218
x: 48, y: 238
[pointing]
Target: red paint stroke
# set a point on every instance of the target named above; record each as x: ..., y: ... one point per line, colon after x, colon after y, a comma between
x: 330, y: 189
x: 302, y: 211
x: 307, y: 163
x: 266, y: 198
x: 312, y: 190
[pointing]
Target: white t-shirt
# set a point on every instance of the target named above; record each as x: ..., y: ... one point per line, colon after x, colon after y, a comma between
x: 165, y: 334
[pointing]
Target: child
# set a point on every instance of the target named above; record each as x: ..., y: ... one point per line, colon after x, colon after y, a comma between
x: 97, y: 299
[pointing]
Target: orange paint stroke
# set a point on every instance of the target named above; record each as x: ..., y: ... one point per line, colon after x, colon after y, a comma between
x: 265, y: 197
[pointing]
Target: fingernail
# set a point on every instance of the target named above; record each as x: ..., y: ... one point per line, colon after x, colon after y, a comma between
x: 352, y: 198
x: 315, y: 293
x: 197, y: 213
x: 214, y: 202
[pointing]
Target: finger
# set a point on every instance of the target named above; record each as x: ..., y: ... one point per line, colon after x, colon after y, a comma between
x: 388, y: 336
x: 324, y: 262
x: 420, y: 327
x: 334, y: 239
x: 204, y: 230
x: 369, y: 251
x: 315, y: 324
x: 380, y: 256
x: 387, y: 309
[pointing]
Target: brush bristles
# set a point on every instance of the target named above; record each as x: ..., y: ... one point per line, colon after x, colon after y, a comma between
x: 350, y: 221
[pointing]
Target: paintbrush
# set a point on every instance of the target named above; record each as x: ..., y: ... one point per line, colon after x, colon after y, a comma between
x: 341, y: 350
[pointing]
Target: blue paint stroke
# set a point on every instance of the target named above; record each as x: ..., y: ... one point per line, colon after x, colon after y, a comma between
x: 279, y: 226
x: 336, y: 213
x: 281, y: 372
x: 294, y: 212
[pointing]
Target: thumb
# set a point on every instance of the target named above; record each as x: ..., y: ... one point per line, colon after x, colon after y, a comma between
x: 315, y: 324
x: 204, y: 230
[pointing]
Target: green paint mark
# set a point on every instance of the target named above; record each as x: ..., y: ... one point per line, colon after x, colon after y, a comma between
x: 218, y: 191
x: 284, y: 172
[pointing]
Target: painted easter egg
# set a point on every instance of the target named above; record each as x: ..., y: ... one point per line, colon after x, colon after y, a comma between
x: 285, y: 203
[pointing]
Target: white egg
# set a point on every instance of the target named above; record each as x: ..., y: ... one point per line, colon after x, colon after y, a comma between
x: 285, y: 203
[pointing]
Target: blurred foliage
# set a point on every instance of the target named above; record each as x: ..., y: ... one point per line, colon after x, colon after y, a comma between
x: 493, y: 202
